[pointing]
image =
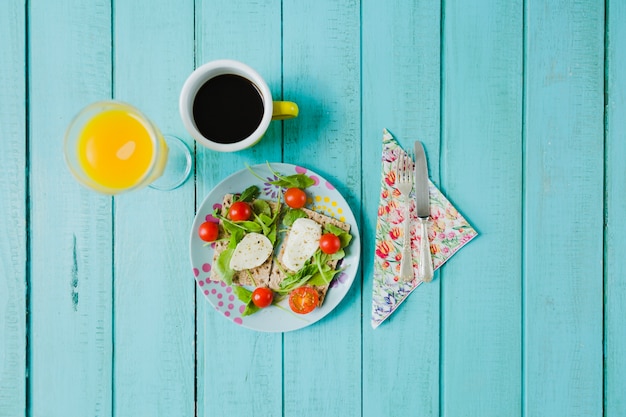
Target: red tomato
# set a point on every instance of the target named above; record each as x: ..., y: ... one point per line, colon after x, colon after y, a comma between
x: 303, y: 300
x: 295, y: 198
x: 262, y: 297
x: 329, y: 243
x: 239, y: 211
x: 208, y: 231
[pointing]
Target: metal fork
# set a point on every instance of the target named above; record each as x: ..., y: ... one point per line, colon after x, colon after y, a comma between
x: 404, y: 184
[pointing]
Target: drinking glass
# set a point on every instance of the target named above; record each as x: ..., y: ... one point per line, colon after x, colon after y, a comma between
x: 112, y: 147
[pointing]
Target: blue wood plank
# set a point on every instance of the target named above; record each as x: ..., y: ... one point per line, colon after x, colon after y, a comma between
x: 13, y: 285
x: 564, y: 154
x: 70, y: 230
x: 615, y: 207
x: 321, y: 69
x: 482, y: 174
x: 239, y: 370
x: 520, y: 309
x: 401, y: 72
x: 154, y: 369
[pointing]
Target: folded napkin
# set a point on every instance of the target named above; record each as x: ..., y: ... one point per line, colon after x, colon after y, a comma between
x: 448, y: 232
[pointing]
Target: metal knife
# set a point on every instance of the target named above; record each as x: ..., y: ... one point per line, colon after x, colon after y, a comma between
x: 422, y: 202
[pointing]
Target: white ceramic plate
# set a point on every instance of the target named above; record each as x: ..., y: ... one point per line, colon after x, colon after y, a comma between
x: 324, y: 198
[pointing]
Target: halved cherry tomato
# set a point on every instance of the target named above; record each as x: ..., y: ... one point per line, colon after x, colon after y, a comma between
x: 295, y: 197
x: 262, y: 297
x: 239, y: 211
x: 329, y: 243
x: 303, y: 300
x: 208, y: 231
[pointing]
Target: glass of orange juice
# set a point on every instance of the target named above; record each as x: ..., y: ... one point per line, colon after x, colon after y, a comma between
x: 111, y: 147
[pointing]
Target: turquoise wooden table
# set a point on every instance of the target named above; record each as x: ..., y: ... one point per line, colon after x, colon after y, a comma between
x: 520, y: 105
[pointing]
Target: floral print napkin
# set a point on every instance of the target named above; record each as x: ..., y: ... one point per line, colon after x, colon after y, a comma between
x: 448, y: 232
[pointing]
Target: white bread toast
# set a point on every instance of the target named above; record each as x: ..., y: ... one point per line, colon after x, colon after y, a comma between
x: 278, y: 268
x: 258, y: 276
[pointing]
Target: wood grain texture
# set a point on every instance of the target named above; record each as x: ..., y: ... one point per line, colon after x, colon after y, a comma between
x: 70, y: 344
x: 13, y: 239
x: 239, y: 370
x: 322, y: 71
x: 482, y: 175
x: 401, y: 90
x: 154, y: 368
x: 564, y: 151
x: 615, y: 207
x: 521, y: 112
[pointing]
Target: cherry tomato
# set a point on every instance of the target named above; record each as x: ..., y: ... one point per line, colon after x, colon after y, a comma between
x: 303, y: 300
x: 262, y: 297
x: 329, y: 243
x: 239, y: 211
x: 208, y: 231
x: 295, y: 198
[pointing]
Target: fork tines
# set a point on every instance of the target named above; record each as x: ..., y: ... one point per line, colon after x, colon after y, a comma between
x: 404, y: 164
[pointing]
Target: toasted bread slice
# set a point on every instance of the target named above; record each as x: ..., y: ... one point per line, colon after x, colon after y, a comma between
x: 258, y: 276
x: 278, y: 268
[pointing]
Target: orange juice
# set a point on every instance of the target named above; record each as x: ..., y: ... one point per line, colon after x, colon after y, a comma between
x: 111, y: 147
x: 115, y: 149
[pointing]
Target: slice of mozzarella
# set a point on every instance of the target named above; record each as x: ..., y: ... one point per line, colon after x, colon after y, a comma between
x: 252, y: 251
x: 302, y: 242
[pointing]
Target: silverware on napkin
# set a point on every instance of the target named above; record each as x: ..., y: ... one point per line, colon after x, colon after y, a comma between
x: 422, y: 202
x: 389, y: 291
x: 404, y: 173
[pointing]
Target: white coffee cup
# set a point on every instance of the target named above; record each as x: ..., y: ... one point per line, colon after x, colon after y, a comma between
x: 221, y: 109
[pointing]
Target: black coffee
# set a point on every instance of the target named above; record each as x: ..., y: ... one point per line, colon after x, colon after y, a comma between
x: 227, y: 108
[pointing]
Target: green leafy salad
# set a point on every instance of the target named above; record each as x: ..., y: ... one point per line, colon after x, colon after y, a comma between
x: 279, y: 249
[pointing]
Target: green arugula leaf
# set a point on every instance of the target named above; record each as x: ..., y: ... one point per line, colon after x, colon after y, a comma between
x: 260, y: 220
x: 321, y: 260
x: 272, y: 235
x: 248, y: 194
x: 242, y: 293
x: 331, y: 228
x: 245, y: 226
x: 235, y: 238
x: 294, y: 280
x: 321, y: 279
x: 250, y: 226
x: 344, y: 237
x: 340, y: 254
x: 251, y: 308
x: 295, y: 180
x: 235, y: 232
x: 245, y: 296
x: 222, y: 265
x: 262, y: 207
x: 229, y: 226
x: 265, y: 219
x: 292, y: 215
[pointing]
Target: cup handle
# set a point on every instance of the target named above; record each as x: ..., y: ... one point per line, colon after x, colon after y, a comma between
x: 283, y: 110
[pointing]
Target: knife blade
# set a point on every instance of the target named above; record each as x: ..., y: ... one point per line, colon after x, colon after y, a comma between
x: 422, y: 203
